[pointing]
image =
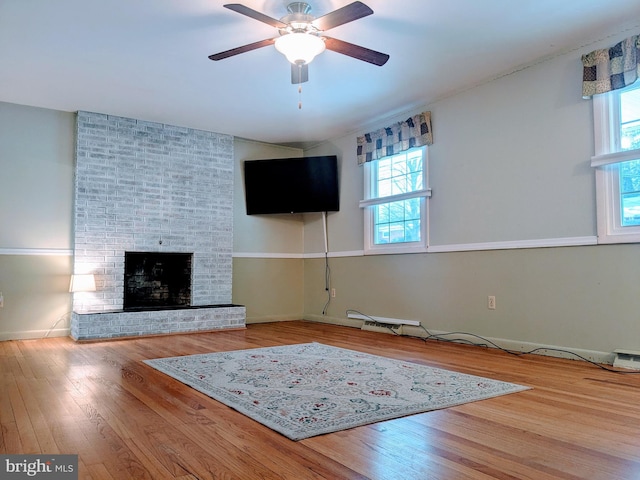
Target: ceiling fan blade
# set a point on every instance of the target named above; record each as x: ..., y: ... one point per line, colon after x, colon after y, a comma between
x: 243, y: 49
x: 356, y: 51
x: 249, y: 12
x: 299, y: 73
x: 343, y: 15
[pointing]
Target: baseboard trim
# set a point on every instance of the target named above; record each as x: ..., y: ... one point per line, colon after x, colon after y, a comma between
x: 343, y: 322
x: 34, y: 334
x: 511, y: 345
x: 273, y: 318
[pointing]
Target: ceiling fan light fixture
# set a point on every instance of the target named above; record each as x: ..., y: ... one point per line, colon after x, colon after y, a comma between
x: 300, y: 48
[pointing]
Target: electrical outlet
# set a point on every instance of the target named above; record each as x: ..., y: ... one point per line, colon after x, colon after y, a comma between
x: 491, y: 302
x: 333, y: 293
x: 1, y: 300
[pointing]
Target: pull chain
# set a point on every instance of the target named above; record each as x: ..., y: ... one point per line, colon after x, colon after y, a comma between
x: 299, y: 97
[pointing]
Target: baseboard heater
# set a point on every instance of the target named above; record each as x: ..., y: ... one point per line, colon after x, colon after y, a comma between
x: 627, y: 359
x: 383, y: 324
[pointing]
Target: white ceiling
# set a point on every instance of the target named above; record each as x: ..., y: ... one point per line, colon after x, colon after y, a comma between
x: 147, y: 59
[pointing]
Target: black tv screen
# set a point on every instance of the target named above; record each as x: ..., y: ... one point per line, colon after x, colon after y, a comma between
x: 292, y: 185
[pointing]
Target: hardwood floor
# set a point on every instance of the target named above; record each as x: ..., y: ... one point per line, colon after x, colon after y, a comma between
x: 129, y: 421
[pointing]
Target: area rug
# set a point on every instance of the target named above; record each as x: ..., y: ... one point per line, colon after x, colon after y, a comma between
x: 311, y: 389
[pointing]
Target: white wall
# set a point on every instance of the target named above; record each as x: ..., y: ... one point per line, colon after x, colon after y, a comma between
x: 511, y: 159
x: 36, y: 179
x: 36, y: 196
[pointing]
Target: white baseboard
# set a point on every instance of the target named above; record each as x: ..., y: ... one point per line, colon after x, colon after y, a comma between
x: 34, y: 334
x: 272, y: 318
x: 341, y: 321
x: 557, y: 351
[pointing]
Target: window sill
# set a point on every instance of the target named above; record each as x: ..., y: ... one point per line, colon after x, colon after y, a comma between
x: 618, y: 238
x: 391, y: 249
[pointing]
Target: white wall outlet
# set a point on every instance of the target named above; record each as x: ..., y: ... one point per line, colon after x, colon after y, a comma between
x: 491, y: 302
x: 1, y: 300
x: 333, y: 293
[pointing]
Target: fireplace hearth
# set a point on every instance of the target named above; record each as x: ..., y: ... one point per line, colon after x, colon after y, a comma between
x: 154, y: 280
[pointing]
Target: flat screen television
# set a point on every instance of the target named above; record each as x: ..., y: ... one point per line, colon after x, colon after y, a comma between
x: 292, y: 185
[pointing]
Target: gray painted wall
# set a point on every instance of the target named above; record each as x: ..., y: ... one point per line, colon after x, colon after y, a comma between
x: 510, y: 167
x: 36, y: 198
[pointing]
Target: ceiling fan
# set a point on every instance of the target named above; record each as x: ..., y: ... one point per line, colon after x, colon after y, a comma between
x: 301, y: 36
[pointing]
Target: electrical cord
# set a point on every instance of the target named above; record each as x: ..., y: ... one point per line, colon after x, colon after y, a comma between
x: 62, y: 317
x: 327, y: 282
x: 488, y: 343
x: 327, y: 271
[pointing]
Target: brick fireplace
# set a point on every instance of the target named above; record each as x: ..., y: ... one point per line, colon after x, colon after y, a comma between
x: 155, y: 188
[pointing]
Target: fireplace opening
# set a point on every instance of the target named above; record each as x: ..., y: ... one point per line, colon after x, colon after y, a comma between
x: 156, y: 280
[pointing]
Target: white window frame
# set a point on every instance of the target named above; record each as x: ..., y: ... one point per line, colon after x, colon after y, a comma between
x: 608, y: 155
x: 371, y: 248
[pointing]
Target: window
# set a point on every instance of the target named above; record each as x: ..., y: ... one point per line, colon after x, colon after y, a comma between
x: 395, y: 206
x: 617, y: 162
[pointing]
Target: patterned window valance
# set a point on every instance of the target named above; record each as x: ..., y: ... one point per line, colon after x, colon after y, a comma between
x: 611, y: 68
x: 413, y: 132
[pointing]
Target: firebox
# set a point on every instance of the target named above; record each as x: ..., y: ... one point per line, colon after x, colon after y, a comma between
x: 156, y: 280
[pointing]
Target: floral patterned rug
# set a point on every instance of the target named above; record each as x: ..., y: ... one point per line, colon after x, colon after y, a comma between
x: 312, y: 389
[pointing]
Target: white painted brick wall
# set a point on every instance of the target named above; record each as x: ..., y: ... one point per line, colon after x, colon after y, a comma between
x: 143, y: 186
x: 110, y: 325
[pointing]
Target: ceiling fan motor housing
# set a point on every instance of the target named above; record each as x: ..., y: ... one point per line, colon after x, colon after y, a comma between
x: 298, y: 20
x: 299, y: 7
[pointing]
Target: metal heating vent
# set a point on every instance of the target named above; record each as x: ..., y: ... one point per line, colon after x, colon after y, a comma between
x: 627, y: 359
x: 381, y: 327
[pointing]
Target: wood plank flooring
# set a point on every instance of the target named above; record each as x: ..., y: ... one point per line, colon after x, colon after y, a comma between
x: 129, y: 421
